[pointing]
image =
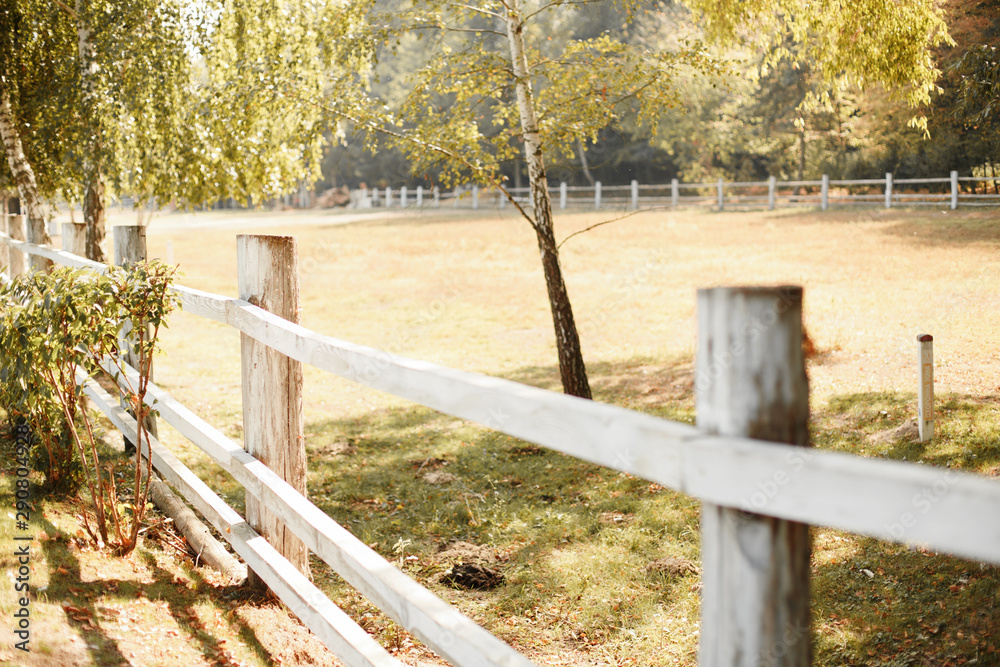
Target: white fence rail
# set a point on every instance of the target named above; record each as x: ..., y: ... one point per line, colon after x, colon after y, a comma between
x: 787, y: 482
x: 948, y: 192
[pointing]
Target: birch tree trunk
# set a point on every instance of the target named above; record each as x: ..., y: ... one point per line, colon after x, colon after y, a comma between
x: 571, y: 367
x: 20, y: 168
x: 93, y: 196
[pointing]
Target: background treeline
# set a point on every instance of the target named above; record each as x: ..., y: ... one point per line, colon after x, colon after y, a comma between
x: 780, y: 121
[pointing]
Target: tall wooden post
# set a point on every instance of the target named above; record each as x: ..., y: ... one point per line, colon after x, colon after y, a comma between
x: 4, y: 248
x: 824, y: 193
x: 130, y: 248
x: 597, y: 195
x: 635, y: 195
x: 751, y: 381
x: 15, y: 228
x: 954, y: 190
x: 674, y: 193
x: 562, y: 195
x: 74, y: 238
x: 718, y: 186
x: 772, y: 184
x: 272, y: 385
x: 888, y: 189
x: 37, y: 235
x: 925, y: 393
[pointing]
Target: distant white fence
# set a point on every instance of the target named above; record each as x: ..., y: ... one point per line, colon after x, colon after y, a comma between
x: 758, y: 494
x: 951, y: 192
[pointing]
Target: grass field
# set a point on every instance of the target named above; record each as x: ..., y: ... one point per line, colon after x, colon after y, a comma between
x: 575, y: 542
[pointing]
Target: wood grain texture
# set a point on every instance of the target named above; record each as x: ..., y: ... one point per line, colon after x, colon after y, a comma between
x: 343, y: 636
x: 15, y: 241
x: 273, y: 430
x: 750, y: 380
x: 74, y: 238
x: 435, y: 622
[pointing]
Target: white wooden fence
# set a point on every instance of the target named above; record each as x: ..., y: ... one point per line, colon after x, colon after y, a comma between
x: 750, y: 382
x: 950, y: 192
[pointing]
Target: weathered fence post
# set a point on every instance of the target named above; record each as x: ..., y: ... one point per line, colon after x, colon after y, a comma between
x: 597, y: 195
x: 420, y: 196
x: 18, y: 259
x: 925, y: 393
x: 4, y: 248
x: 437, y: 197
x: 37, y: 235
x: 475, y: 196
x: 674, y: 193
x: 403, y: 195
x: 388, y: 196
x: 272, y: 385
x: 635, y: 195
x: 718, y: 187
x: 751, y: 381
x: 74, y: 238
x: 824, y: 193
x: 954, y: 190
x: 129, y: 248
x: 772, y: 184
x: 562, y: 195
x: 888, y: 189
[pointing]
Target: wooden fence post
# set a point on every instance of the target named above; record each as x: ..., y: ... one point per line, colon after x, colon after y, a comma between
x: 674, y: 193
x: 475, y: 196
x: 388, y: 196
x: 129, y: 248
x: 635, y: 195
x: 272, y: 385
x: 925, y: 393
x: 74, y: 238
x: 719, y: 186
x: 420, y: 196
x: 751, y: 381
x: 404, y: 194
x: 4, y: 248
x: 772, y: 184
x: 597, y: 195
x: 888, y: 189
x: 37, y: 235
x: 954, y: 190
x: 18, y: 259
x: 824, y: 193
x: 437, y: 197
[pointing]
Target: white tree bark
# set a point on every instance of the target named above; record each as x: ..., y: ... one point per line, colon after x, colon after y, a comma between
x: 20, y: 168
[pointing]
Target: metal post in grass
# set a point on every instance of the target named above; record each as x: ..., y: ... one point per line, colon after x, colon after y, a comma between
x: 562, y: 195
x: 272, y: 386
x: 597, y: 195
x: 74, y: 238
x: 824, y: 193
x: 15, y: 229
x: 718, y: 187
x: 129, y: 248
x: 888, y: 189
x: 750, y: 381
x: 954, y: 190
x: 674, y: 192
x: 925, y: 393
x: 635, y: 195
x: 772, y: 186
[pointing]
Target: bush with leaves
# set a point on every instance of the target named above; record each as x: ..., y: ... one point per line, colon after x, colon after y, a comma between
x: 57, y: 328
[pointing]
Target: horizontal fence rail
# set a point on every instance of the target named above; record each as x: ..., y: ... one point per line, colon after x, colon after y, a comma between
x: 872, y: 497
